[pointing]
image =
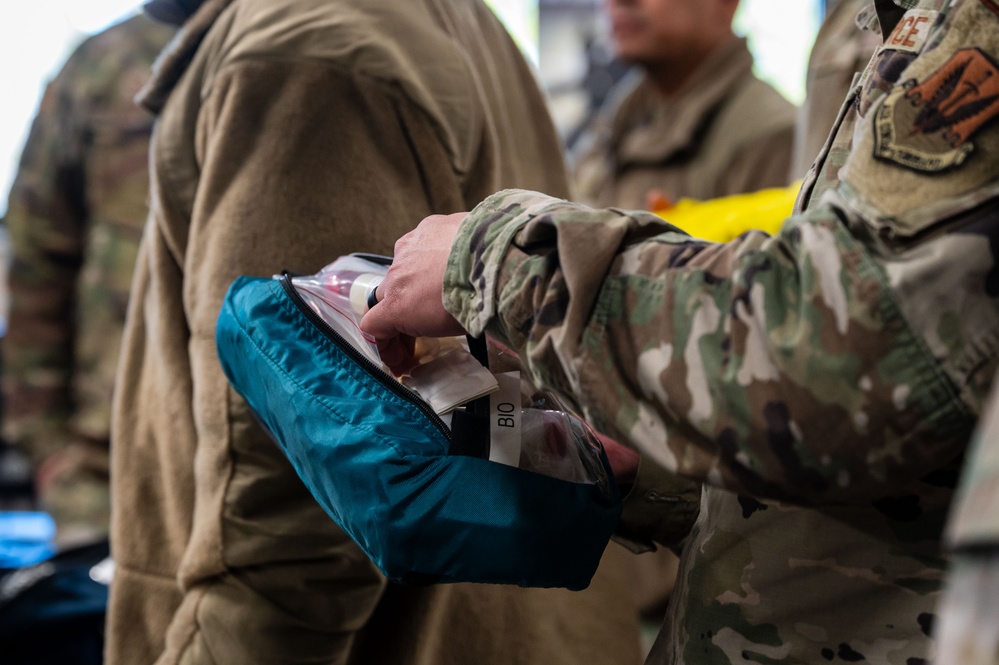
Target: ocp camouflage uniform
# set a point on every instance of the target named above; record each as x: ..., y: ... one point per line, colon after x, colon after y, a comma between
x: 823, y: 382
x: 77, y: 208
x: 969, y: 613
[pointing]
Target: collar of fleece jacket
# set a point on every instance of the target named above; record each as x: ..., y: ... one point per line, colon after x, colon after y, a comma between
x: 177, y: 55
x: 174, y: 12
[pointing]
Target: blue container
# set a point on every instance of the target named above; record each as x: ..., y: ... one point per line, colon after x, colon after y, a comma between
x: 26, y: 538
x: 380, y: 464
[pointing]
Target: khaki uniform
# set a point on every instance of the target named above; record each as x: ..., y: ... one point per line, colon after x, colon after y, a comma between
x: 840, y: 53
x: 291, y: 132
x: 77, y: 208
x: 726, y: 132
x: 822, y: 382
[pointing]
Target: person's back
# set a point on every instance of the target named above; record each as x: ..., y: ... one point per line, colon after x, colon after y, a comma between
x: 694, y: 122
x: 76, y: 212
x: 292, y: 122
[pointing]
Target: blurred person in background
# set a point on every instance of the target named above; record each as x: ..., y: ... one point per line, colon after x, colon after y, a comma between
x: 76, y: 212
x: 288, y: 133
x: 692, y: 122
x: 840, y: 53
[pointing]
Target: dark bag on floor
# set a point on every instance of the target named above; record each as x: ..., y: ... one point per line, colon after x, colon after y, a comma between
x: 52, y: 613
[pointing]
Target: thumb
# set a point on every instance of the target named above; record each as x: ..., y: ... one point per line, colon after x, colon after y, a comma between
x: 378, y: 323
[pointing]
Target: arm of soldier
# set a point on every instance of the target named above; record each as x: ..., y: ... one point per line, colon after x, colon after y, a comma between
x: 659, y: 507
x: 778, y: 367
x: 410, y: 305
x: 46, y: 220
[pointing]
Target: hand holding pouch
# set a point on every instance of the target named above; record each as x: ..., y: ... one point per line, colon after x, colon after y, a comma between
x: 380, y: 461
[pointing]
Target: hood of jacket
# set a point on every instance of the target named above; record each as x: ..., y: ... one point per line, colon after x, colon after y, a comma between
x: 174, y: 12
x: 199, y: 15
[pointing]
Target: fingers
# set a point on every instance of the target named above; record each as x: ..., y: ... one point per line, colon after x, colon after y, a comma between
x: 398, y: 353
x: 410, y: 297
x: 378, y: 320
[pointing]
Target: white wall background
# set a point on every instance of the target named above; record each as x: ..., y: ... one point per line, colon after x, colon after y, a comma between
x: 521, y: 19
x: 780, y: 34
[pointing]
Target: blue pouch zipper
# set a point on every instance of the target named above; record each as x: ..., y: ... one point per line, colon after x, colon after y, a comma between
x: 348, y: 349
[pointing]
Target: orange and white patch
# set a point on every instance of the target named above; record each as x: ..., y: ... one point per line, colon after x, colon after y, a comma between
x: 928, y: 126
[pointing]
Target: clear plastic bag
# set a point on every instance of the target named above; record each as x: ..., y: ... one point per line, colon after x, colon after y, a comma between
x: 444, y: 374
x: 338, y: 294
x: 551, y: 440
x: 526, y: 428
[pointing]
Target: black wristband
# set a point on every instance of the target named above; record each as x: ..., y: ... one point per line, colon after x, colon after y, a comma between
x: 373, y: 296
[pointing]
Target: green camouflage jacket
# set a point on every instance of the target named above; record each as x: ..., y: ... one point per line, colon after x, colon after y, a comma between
x: 76, y: 212
x: 822, y: 382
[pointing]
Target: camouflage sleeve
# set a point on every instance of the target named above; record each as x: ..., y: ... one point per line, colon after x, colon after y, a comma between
x: 45, y: 218
x: 661, y: 508
x: 779, y: 367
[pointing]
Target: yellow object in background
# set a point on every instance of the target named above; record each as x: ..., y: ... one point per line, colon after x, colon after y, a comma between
x: 728, y: 217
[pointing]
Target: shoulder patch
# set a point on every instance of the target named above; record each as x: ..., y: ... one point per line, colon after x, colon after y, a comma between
x: 928, y: 125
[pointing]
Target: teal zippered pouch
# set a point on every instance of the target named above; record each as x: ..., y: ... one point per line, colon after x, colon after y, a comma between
x: 385, y: 466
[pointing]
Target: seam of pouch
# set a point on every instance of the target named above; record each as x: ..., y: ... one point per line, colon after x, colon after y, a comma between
x: 362, y: 378
x: 322, y: 401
